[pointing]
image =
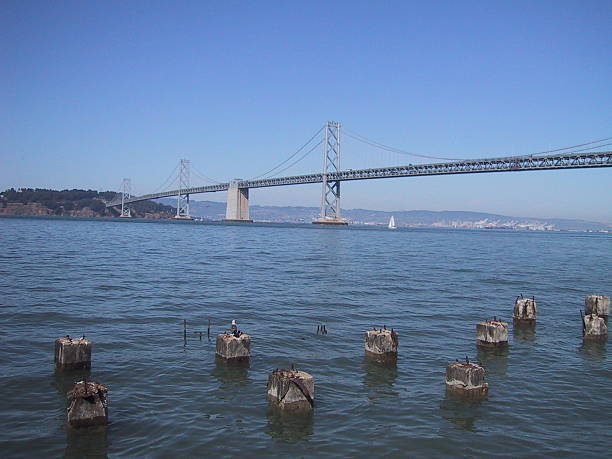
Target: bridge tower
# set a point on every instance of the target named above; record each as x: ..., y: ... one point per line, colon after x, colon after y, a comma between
x: 126, y: 193
x: 182, y: 206
x: 330, y: 199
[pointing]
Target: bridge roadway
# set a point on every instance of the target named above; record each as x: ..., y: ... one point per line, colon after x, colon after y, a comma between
x: 474, y: 166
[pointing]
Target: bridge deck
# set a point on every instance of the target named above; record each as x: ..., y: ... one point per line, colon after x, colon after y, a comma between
x: 475, y: 166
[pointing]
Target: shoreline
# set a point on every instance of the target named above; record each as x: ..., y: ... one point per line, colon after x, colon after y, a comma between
x: 260, y: 223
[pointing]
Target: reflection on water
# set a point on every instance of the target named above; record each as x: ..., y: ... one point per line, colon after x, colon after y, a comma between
x: 289, y: 426
x: 461, y: 411
x: 524, y: 332
x: 594, y: 349
x: 231, y: 373
x: 493, y: 359
x: 377, y: 373
x: 87, y: 442
x: 64, y: 380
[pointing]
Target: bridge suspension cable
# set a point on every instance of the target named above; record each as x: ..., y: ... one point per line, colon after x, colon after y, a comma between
x: 576, y: 146
x: 204, y: 177
x: 298, y: 160
x: 292, y: 156
x: 376, y: 144
x: 382, y: 146
x: 167, y: 183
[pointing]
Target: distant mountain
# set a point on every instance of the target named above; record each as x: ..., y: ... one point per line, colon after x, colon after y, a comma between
x: 414, y: 218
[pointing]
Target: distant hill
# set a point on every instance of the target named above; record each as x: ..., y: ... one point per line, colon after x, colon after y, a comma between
x: 415, y: 218
x: 73, y: 203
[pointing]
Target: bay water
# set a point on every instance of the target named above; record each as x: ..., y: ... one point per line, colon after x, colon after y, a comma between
x: 129, y: 285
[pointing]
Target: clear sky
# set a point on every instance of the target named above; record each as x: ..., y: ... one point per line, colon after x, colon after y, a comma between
x: 91, y: 92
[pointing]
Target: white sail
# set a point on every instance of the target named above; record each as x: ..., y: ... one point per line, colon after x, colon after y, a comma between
x: 392, y: 223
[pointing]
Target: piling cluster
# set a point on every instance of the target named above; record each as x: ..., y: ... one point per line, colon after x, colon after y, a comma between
x: 293, y: 390
x: 87, y: 401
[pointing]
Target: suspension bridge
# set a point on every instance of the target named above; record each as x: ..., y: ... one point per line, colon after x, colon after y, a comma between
x: 332, y: 175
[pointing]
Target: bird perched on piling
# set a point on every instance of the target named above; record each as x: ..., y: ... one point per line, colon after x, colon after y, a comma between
x: 234, y: 329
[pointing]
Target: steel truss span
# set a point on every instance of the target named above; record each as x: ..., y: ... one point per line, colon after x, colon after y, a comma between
x: 475, y: 166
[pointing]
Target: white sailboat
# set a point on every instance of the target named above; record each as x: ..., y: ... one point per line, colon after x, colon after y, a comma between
x: 392, y: 223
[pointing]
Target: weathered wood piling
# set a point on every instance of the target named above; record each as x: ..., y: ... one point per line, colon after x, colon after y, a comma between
x: 72, y: 353
x: 594, y: 327
x: 381, y: 344
x: 597, y: 304
x: 87, y: 404
x: 492, y: 333
x: 291, y: 390
x: 233, y: 348
x: 525, y: 311
x: 465, y: 378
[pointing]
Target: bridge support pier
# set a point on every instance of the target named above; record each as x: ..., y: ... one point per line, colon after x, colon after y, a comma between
x: 237, y: 203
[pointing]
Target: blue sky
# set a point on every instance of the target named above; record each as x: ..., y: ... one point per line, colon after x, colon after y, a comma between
x: 91, y: 92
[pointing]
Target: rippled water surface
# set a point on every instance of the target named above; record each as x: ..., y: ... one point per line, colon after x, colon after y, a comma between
x: 128, y: 286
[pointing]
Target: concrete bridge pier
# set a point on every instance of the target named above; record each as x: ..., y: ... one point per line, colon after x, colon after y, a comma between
x: 237, y: 203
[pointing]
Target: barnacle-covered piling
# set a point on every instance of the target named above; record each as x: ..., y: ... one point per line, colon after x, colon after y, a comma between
x: 291, y: 389
x: 597, y: 304
x: 525, y: 311
x: 594, y: 327
x: 87, y: 404
x: 492, y: 333
x: 72, y: 353
x: 381, y: 344
x: 466, y: 378
x: 234, y: 348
